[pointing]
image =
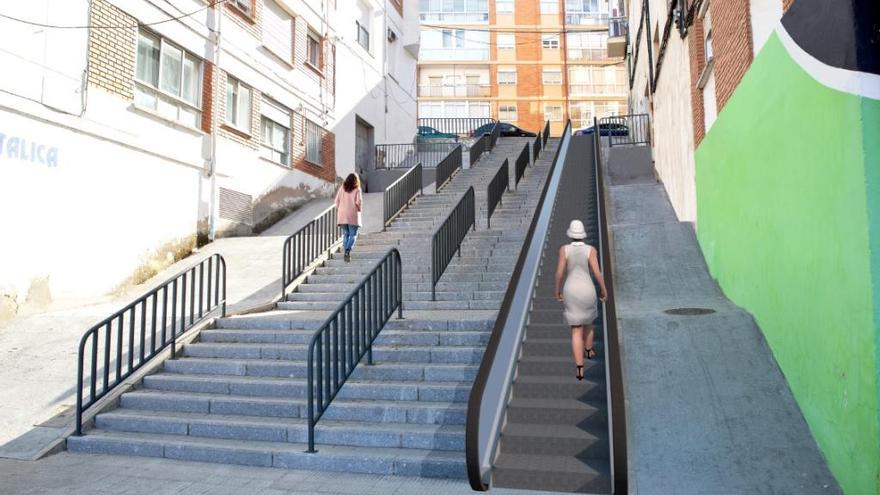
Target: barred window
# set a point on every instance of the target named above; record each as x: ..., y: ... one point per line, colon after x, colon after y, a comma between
x: 314, y: 153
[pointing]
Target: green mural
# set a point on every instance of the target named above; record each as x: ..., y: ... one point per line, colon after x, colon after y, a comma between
x: 788, y: 202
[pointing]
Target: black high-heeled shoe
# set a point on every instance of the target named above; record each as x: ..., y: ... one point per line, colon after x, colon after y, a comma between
x: 580, y: 372
x: 590, y: 353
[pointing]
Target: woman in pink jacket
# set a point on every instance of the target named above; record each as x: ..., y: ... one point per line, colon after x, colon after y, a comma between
x: 348, y: 211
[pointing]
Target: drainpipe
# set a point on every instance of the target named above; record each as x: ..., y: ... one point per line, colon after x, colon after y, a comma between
x: 384, y: 38
x: 212, y: 214
x: 649, y: 42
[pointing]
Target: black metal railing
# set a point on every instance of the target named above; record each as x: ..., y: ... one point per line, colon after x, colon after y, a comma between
x: 348, y: 334
x: 477, y: 149
x: 447, y: 167
x: 487, y: 402
x: 536, y: 148
x: 128, y: 339
x: 626, y: 130
x: 617, y: 27
x: 614, y: 369
x: 429, y: 154
x: 546, y: 134
x: 497, y: 186
x: 399, y: 194
x: 458, y: 126
x: 301, y: 249
x: 519, y: 166
x: 493, y: 137
x: 448, y: 237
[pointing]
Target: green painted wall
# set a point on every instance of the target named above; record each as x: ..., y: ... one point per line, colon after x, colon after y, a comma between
x: 788, y: 219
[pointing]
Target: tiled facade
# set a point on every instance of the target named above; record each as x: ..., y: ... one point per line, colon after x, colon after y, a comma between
x: 112, y: 51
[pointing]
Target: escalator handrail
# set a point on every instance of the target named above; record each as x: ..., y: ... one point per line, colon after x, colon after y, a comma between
x: 476, y: 459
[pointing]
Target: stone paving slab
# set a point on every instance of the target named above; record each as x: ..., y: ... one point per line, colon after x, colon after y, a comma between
x: 83, y: 474
x: 708, y: 409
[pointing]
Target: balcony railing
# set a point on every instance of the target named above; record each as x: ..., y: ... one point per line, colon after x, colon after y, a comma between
x: 586, y: 18
x: 578, y: 54
x: 457, y: 90
x: 455, y: 17
x: 617, y: 27
x: 454, y: 53
x: 597, y: 89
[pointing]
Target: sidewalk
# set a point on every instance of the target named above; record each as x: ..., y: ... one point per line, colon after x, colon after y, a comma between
x: 708, y: 409
x: 39, y: 351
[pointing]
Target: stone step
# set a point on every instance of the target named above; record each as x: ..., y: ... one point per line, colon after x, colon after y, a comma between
x: 385, y: 337
x: 287, y: 352
x: 369, y: 460
x: 418, y: 412
x: 281, y: 320
x: 294, y: 430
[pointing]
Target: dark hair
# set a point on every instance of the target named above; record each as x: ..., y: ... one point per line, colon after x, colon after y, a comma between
x: 351, y: 183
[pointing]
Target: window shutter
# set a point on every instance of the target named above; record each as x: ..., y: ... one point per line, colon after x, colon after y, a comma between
x: 278, y: 31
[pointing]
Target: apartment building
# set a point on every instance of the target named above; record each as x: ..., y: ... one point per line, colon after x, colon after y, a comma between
x: 131, y: 130
x: 765, y: 117
x: 521, y: 61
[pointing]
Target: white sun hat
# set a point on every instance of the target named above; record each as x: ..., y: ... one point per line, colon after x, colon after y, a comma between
x: 576, y: 230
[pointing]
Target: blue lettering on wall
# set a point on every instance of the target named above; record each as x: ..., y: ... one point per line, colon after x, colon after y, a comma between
x: 19, y: 148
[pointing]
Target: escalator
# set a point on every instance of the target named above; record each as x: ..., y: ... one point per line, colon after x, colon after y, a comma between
x: 531, y: 424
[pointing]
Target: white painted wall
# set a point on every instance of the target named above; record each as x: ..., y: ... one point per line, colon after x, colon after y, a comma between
x: 765, y: 15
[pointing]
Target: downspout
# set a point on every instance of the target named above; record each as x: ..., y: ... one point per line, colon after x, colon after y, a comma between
x: 212, y: 214
x: 385, y: 67
x: 648, y: 43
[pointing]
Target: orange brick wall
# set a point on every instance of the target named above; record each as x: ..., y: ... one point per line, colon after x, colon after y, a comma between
x: 698, y: 56
x: 786, y: 4
x: 112, y: 51
x: 732, y: 43
x: 208, y: 82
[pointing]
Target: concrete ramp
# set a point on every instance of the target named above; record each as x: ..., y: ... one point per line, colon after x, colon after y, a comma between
x: 708, y: 409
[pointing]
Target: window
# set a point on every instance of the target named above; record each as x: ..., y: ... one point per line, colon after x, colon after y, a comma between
x: 506, y: 76
x: 707, y: 41
x: 314, y: 154
x: 453, y: 38
x: 244, y: 6
x: 549, y: 6
x: 238, y: 105
x: 314, y: 50
x: 550, y: 41
x: 503, y: 6
x: 506, y: 41
x: 278, y: 31
x: 275, y: 127
x: 454, y: 10
x: 363, y: 35
x: 710, y: 55
x: 553, y: 113
x: 168, y: 80
x: 507, y: 113
x: 552, y: 77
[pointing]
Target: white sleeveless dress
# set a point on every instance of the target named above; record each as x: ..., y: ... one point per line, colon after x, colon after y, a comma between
x: 579, y: 293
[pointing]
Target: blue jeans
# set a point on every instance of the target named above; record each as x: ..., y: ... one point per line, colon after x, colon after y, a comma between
x: 349, y: 235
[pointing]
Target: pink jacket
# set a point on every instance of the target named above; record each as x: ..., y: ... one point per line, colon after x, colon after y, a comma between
x: 348, y: 207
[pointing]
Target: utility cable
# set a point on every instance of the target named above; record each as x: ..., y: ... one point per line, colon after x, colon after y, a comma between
x: 121, y: 26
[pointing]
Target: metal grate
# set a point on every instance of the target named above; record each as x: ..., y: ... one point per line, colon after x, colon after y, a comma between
x: 236, y: 206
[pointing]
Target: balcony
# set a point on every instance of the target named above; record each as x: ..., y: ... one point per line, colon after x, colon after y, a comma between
x: 455, y: 17
x: 586, y: 54
x: 617, y: 31
x: 597, y: 90
x: 586, y: 18
x: 428, y: 53
x: 457, y: 90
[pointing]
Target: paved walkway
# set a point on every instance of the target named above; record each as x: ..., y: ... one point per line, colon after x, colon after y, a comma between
x: 81, y: 474
x: 708, y: 409
x: 38, y: 352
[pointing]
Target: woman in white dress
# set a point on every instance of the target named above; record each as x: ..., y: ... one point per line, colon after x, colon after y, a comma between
x: 576, y: 260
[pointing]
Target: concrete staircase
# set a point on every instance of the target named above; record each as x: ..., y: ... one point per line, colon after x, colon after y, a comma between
x: 237, y: 395
x: 556, y: 434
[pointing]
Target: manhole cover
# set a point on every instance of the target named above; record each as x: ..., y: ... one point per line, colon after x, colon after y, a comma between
x: 689, y: 311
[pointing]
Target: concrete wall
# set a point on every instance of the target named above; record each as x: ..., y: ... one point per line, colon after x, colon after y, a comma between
x: 789, y: 227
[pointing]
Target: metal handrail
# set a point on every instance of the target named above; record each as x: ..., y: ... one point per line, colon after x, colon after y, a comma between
x: 546, y: 134
x: 536, y: 148
x: 446, y: 168
x: 625, y: 130
x: 613, y: 366
x: 478, y: 148
x: 481, y: 440
x: 493, y: 137
x: 499, y: 183
x: 348, y: 334
x: 519, y: 166
x: 448, y: 237
x: 158, y: 328
x: 407, y: 155
x: 305, y: 246
x: 398, y: 195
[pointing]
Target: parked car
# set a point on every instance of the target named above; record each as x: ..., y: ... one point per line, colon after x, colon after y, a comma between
x: 507, y: 130
x: 428, y: 133
x: 605, y: 129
